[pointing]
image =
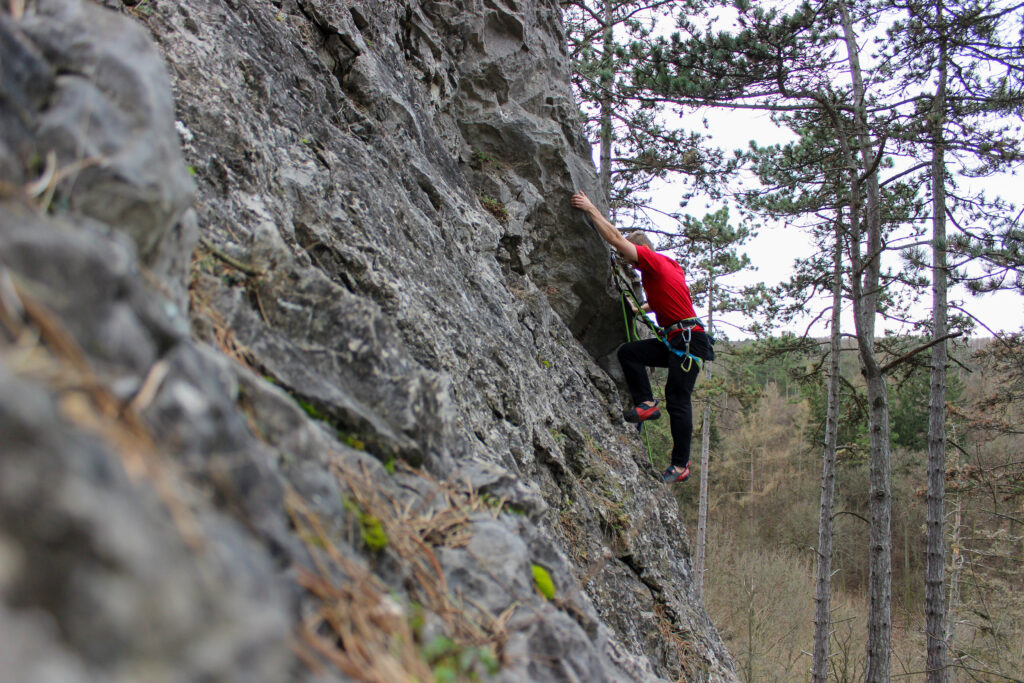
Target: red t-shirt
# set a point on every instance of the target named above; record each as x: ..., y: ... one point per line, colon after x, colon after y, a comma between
x: 665, y: 286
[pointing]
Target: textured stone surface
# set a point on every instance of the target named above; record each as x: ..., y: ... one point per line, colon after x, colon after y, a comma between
x: 393, y: 327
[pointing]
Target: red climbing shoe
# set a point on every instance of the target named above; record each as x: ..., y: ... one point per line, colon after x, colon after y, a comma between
x: 674, y: 475
x: 642, y: 412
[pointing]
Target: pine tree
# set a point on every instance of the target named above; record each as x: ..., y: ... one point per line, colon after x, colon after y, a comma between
x: 636, y: 136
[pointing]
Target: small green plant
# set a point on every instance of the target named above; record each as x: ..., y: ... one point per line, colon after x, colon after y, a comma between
x: 501, y: 505
x: 351, y: 440
x: 370, y: 527
x: 141, y: 10
x: 374, y: 536
x: 542, y: 581
x: 451, y: 662
x: 311, y: 410
x: 482, y: 157
x: 355, y: 442
x: 495, y: 207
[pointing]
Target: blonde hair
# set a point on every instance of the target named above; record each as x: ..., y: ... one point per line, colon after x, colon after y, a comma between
x: 640, y: 239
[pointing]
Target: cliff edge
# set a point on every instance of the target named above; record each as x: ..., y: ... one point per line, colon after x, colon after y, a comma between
x: 304, y: 356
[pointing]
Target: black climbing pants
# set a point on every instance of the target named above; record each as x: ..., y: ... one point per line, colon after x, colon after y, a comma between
x: 635, y: 357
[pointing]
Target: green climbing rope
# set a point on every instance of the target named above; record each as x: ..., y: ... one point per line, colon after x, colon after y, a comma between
x: 631, y: 328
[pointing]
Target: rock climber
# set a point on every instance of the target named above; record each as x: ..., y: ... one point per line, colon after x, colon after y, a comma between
x: 669, y: 297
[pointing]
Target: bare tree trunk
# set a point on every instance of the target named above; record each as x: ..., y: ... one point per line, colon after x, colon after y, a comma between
x: 750, y: 499
x: 956, y: 567
x: 935, y: 556
x: 865, y: 303
x: 604, y: 172
x: 823, y: 589
x: 705, y: 451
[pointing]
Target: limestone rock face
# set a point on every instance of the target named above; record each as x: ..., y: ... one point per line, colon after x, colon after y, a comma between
x: 304, y: 355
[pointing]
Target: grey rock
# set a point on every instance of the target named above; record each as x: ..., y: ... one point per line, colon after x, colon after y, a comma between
x: 370, y: 304
x: 109, y: 112
x: 97, y: 560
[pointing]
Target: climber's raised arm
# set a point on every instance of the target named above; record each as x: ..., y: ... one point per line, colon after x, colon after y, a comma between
x: 605, y: 228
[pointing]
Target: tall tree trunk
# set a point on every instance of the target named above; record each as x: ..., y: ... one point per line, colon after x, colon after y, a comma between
x: 935, y: 558
x: 823, y: 589
x: 866, y: 293
x: 607, y: 80
x: 705, y: 457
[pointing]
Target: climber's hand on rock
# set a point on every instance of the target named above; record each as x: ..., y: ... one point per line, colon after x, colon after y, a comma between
x: 582, y: 202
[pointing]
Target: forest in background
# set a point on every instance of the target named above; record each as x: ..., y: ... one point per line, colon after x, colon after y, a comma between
x: 765, y: 477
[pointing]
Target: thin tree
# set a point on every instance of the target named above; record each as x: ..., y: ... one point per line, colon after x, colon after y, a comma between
x: 823, y: 583
x: 935, y: 556
x: 866, y: 269
x: 966, y: 50
x: 711, y: 245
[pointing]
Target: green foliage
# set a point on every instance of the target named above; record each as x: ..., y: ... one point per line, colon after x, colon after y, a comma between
x: 372, y: 531
x: 345, y: 437
x: 374, y: 536
x: 543, y: 583
x: 608, y: 41
x: 141, y: 9
x: 501, y: 505
x: 495, y: 207
x: 310, y: 409
x: 355, y: 442
x: 710, y: 248
x: 481, y: 157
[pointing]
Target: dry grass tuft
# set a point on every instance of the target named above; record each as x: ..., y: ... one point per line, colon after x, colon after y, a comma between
x: 359, y: 627
x: 683, y: 647
x: 199, y: 303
